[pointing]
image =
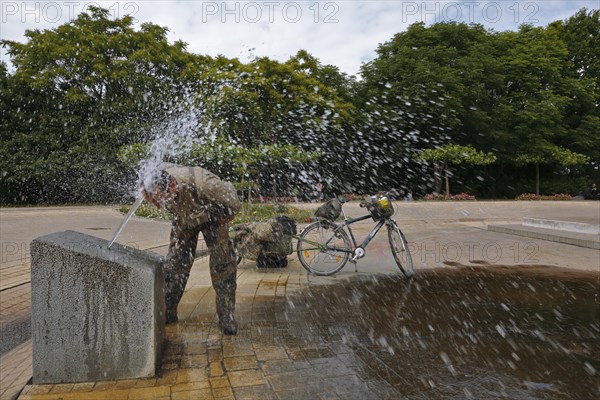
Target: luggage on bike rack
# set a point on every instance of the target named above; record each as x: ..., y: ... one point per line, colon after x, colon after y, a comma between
x: 380, y: 208
x: 268, y: 242
x: 331, y: 210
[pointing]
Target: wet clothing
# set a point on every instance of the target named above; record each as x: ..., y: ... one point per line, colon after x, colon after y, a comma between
x: 202, y: 203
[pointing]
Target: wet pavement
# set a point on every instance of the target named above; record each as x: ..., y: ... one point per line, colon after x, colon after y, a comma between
x: 467, y: 333
x: 454, y: 333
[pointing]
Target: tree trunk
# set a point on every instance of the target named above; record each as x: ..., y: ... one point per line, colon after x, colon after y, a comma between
x: 249, y: 199
x: 447, y: 180
x: 243, y: 207
x: 497, y: 174
x: 437, y: 181
x: 537, y: 179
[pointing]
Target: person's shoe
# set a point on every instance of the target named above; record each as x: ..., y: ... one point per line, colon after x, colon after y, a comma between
x: 171, y: 317
x: 228, y: 324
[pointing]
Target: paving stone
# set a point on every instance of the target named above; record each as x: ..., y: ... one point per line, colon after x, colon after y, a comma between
x: 83, y: 387
x: 61, y: 388
x: 42, y: 389
x: 142, y: 383
x: 274, y: 367
x: 285, y: 381
x: 248, y: 377
x: 166, y: 378
x: 121, y: 394
x: 262, y: 392
x: 183, y: 387
x: 222, y: 392
x: 234, y: 349
x: 215, y: 354
x: 105, y: 385
x: 195, y: 348
x: 191, y: 375
x: 204, y: 394
x: 149, y: 393
x: 271, y: 353
x: 215, y: 369
x: 219, y: 382
x: 194, y: 361
x: 126, y: 383
x: 297, y: 394
x: 240, y: 363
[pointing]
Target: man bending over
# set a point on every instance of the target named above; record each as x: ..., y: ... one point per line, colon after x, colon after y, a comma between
x: 199, y: 202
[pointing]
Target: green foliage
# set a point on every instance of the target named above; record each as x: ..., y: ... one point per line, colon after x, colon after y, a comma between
x: 256, y: 213
x: 456, y: 154
x: 263, y: 212
x: 519, y: 95
x: 79, y: 92
x: 453, y: 197
x: 147, y: 210
x: 558, y: 154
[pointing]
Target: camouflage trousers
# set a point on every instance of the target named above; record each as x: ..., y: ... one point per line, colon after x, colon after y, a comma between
x: 223, y: 265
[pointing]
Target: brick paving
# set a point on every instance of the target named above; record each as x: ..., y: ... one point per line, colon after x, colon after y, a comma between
x: 15, y: 370
x: 14, y: 275
x: 15, y: 317
x: 270, y: 358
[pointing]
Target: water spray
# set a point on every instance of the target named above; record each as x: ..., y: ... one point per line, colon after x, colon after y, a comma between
x: 132, y: 210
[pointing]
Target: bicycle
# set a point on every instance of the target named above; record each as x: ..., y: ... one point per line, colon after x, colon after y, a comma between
x: 324, y: 247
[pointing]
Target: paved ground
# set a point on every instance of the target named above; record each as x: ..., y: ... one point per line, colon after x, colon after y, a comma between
x: 283, y: 350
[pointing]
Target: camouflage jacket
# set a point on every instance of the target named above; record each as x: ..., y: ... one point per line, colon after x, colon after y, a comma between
x: 201, y: 196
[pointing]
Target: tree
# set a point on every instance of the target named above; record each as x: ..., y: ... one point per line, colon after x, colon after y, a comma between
x: 536, y: 99
x: 428, y: 86
x: 547, y: 155
x: 84, y: 89
x: 267, y: 104
x: 581, y: 34
x: 456, y: 155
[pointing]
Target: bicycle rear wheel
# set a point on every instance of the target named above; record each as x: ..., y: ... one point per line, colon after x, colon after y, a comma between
x: 323, y: 250
x: 400, y: 250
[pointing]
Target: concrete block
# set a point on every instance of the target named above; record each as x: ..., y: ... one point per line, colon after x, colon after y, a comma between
x: 96, y: 313
x: 562, y: 225
x: 576, y: 239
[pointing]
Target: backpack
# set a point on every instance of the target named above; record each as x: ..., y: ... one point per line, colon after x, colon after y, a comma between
x: 272, y: 237
x: 331, y: 210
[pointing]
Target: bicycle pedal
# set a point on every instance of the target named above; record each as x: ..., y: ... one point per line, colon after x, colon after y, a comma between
x: 358, y: 253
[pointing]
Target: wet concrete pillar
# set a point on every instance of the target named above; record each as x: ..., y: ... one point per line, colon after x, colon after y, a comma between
x: 96, y: 313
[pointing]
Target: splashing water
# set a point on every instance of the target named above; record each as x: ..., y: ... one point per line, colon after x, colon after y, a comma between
x: 132, y: 210
x: 172, y: 140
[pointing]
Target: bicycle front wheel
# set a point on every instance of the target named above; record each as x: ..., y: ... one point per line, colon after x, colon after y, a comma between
x: 323, y: 249
x: 400, y: 250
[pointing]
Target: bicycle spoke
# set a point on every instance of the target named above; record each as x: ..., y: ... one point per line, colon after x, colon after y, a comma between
x: 322, y: 250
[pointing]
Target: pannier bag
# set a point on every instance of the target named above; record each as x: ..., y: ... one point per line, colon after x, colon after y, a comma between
x: 331, y: 210
x: 379, y: 208
x: 270, y: 238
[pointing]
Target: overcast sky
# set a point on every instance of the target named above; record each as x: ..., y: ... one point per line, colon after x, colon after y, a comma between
x: 343, y: 33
